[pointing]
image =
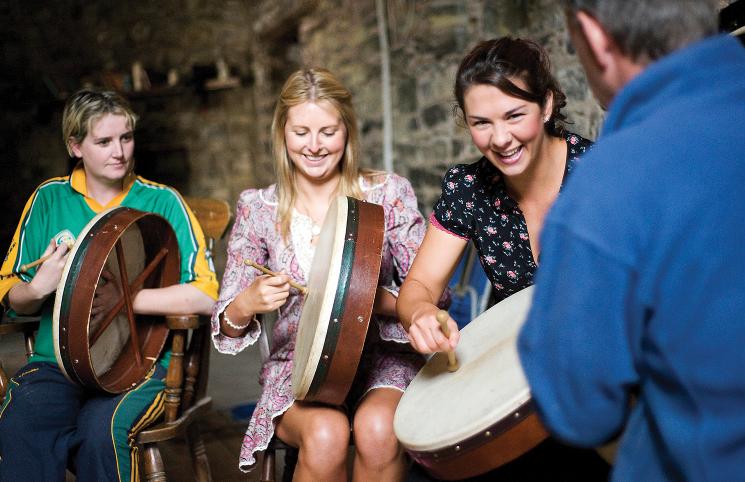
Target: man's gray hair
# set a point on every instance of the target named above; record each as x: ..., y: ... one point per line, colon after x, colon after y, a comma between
x: 647, y: 30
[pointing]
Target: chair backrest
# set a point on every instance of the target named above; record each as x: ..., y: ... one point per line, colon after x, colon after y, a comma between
x: 213, y: 215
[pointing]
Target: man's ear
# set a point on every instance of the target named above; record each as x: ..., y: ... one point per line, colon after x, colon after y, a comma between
x: 598, y: 42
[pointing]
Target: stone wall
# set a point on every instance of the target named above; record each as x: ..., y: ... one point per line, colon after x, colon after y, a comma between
x: 427, y: 40
x: 216, y: 142
x: 200, y: 140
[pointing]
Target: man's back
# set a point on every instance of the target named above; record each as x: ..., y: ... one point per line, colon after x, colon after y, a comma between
x: 656, y: 213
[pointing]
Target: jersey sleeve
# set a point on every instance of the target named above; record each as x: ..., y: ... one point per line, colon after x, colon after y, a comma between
x: 197, y: 267
x: 27, y: 245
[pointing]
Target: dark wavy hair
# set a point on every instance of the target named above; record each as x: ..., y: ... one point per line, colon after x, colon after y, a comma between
x: 498, y: 61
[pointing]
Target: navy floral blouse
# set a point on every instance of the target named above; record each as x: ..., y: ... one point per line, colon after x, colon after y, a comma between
x: 474, y: 205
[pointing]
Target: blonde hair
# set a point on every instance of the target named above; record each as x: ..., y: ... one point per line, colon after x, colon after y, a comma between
x: 313, y: 85
x: 87, y: 106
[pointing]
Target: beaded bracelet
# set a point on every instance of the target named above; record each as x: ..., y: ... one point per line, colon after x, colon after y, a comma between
x: 233, y: 325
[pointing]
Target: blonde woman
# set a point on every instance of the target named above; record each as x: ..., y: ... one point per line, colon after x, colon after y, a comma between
x: 316, y: 151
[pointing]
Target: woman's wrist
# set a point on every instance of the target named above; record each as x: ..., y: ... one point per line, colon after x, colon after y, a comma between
x: 234, y: 324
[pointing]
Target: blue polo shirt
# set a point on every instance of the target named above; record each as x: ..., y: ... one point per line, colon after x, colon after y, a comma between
x: 641, y: 290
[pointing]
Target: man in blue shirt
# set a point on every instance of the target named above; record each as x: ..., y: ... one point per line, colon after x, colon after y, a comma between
x: 637, y: 322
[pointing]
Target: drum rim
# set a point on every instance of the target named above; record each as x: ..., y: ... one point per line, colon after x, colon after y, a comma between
x: 517, y: 403
x: 154, y: 338
x: 336, y: 316
x: 480, y: 437
x: 64, y: 288
x: 301, y: 382
x: 340, y: 367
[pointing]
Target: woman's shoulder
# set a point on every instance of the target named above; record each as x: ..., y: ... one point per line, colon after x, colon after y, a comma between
x: 577, y: 144
x: 463, y: 177
x: 381, y: 181
x: 257, y: 203
x: 265, y: 196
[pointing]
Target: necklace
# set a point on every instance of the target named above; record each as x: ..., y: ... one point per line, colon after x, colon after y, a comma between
x: 315, y: 229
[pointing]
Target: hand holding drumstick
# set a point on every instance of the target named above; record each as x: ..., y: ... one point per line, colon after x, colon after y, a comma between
x: 443, y: 317
x: 264, y: 270
x: 433, y: 330
x: 64, y: 238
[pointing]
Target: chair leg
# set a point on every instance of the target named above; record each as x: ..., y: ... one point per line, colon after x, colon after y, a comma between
x: 199, y: 460
x: 288, y: 472
x: 154, y: 469
x: 267, y: 468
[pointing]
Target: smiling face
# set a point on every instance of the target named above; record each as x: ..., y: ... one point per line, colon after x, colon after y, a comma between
x: 315, y: 137
x: 508, y: 131
x: 106, y: 151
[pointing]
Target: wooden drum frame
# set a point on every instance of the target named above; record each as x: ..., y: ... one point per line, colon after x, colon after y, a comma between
x: 338, y: 306
x: 465, y: 423
x: 117, y: 353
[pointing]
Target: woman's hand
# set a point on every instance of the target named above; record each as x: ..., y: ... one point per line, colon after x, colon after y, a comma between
x: 48, y: 275
x: 425, y: 334
x: 266, y: 293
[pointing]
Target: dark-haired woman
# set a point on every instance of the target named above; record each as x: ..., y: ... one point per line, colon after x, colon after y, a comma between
x: 511, y: 105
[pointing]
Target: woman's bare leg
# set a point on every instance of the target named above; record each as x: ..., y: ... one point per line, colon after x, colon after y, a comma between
x: 321, y: 435
x: 378, y: 455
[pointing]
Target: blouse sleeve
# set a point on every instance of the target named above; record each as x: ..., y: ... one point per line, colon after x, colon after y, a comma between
x: 453, y: 211
x: 404, y: 229
x: 246, y: 242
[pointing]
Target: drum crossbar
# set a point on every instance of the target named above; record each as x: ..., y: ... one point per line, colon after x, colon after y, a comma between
x: 156, y: 262
x: 128, y: 302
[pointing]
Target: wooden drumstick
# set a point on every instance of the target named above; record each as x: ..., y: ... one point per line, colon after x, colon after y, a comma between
x: 442, y: 317
x: 28, y: 266
x: 264, y: 270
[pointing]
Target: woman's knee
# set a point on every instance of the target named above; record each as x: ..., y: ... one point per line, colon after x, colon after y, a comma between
x: 326, y: 436
x: 373, y: 433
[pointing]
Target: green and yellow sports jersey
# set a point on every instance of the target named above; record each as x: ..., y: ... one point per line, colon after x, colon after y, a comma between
x: 62, y: 204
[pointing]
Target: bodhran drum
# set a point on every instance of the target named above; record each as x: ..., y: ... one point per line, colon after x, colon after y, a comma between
x: 465, y: 423
x: 341, y: 290
x: 114, y: 351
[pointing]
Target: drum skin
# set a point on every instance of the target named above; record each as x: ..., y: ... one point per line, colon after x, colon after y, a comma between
x: 82, y: 353
x: 465, y: 423
x: 338, y: 307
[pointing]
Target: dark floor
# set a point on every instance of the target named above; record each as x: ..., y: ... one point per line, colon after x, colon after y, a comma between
x: 222, y: 437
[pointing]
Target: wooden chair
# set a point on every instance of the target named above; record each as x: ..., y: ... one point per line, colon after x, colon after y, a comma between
x: 186, y: 396
x: 268, y: 463
x: 28, y: 327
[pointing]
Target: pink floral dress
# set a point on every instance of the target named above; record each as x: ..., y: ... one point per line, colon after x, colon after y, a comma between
x: 390, y: 362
